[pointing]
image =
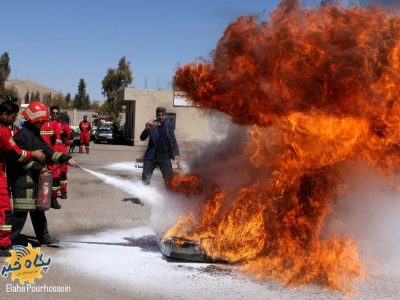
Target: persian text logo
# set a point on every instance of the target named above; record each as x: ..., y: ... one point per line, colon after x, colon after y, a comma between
x: 25, y: 264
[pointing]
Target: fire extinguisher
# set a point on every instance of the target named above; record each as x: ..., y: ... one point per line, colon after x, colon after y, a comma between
x: 44, y: 191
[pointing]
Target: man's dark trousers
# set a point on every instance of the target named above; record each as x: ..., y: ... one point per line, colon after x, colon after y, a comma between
x: 39, y: 223
x: 149, y: 165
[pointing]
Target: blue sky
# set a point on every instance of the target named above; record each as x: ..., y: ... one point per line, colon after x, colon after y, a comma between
x: 57, y: 42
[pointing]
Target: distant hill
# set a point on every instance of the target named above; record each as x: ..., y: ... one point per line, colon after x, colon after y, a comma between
x: 23, y: 86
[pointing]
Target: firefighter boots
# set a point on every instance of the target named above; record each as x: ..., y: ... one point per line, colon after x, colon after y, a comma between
x: 5, y: 252
x: 55, y: 204
x: 63, y: 195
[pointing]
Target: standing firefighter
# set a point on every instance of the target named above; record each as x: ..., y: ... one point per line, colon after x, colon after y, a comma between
x: 59, y: 145
x: 23, y: 177
x: 66, y: 140
x: 85, y: 128
x: 50, y: 132
x: 8, y: 113
x: 161, y: 149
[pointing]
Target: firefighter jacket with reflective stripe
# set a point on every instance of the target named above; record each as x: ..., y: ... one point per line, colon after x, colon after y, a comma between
x: 47, y: 133
x: 62, y: 134
x: 7, y: 144
x: 65, y: 138
x: 23, y: 176
x: 58, y: 131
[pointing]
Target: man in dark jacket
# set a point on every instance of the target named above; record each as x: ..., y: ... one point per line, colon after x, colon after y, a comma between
x: 161, y: 149
x: 23, y: 177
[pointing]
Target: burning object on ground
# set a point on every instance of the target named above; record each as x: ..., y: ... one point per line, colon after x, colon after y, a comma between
x: 318, y: 88
x: 180, y: 248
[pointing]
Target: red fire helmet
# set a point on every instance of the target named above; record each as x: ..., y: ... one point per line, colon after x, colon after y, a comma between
x: 35, y: 112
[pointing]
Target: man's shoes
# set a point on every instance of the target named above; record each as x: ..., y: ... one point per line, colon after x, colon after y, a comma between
x: 55, y: 204
x: 63, y: 195
x: 20, y: 240
x: 50, y: 242
x: 5, y: 252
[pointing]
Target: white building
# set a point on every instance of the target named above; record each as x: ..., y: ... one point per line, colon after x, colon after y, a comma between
x: 193, y: 126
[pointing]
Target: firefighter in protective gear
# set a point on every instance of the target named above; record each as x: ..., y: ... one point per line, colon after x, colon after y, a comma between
x: 66, y: 140
x: 63, y: 137
x: 56, y: 146
x: 8, y: 114
x: 23, y: 176
x: 50, y: 131
x: 85, y: 128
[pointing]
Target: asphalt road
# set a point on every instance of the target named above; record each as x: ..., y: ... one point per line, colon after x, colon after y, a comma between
x: 109, y: 251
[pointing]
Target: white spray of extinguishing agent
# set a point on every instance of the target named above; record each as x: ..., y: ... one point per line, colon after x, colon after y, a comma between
x: 166, y: 208
x: 147, y: 194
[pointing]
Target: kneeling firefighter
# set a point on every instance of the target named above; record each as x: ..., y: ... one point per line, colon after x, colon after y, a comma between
x: 23, y: 177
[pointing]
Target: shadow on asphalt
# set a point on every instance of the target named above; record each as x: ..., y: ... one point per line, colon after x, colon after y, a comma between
x: 146, y: 243
x: 134, y: 200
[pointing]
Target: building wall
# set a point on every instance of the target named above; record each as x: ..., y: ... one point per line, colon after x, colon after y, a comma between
x: 193, y: 126
x: 129, y: 129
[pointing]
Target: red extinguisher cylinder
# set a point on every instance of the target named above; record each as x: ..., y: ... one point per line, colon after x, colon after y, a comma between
x: 44, y: 191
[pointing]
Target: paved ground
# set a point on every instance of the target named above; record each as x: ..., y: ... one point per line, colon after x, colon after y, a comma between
x: 109, y: 249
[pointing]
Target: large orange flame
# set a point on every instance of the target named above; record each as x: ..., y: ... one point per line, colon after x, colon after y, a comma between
x: 319, y: 87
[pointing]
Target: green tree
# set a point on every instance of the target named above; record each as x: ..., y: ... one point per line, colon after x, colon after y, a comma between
x: 82, y: 99
x: 68, y: 98
x: 37, y: 96
x: 5, y: 71
x: 47, y: 98
x: 115, y: 80
x: 32, y: 97
x: 11, y: 92
x: 59, y: 100
x: 26, y: 98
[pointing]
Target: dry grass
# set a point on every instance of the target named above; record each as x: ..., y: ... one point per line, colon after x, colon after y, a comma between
x: 23, y: 86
